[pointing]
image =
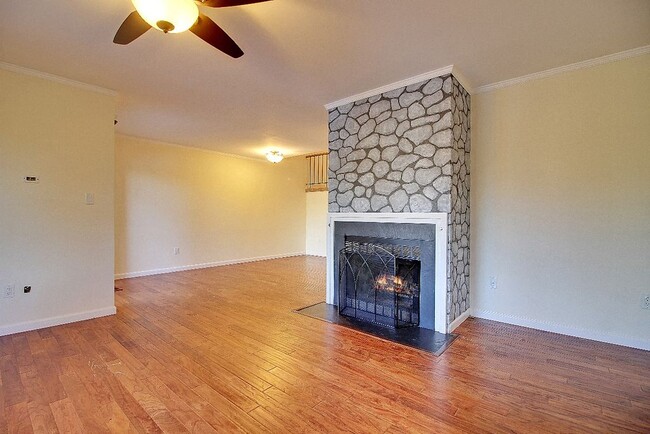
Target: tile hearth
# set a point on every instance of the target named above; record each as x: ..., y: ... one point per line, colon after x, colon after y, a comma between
x: 414, y: 337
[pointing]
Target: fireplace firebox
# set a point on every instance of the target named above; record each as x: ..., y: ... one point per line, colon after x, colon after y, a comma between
x: 379, y: 280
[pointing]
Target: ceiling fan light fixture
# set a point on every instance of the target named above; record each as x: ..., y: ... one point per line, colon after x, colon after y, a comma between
x: 274, y: 156
x: 173, y: 16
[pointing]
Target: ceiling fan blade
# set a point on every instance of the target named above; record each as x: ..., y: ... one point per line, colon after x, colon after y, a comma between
x: 214, y: 35
x: 132, y: 27
x: 228, y: 3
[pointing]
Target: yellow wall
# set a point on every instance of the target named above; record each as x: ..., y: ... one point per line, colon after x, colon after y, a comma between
x: 560, y: 197
x: 316, y: 225
x: 49, y: 238
x: 215, y: 208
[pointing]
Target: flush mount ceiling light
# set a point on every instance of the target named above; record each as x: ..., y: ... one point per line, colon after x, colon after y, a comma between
x: 173, y: 16
x: 274, y: 156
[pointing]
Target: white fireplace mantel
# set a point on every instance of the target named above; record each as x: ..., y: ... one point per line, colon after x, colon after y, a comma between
x: 438, y: 220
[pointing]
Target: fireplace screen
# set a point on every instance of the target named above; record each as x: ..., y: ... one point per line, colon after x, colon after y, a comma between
x: 379, y: 280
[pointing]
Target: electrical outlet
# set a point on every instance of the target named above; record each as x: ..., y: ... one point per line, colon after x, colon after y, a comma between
x: 493, y: 283
x: 177, y: 250
x: 9, y: 291
x: 645, y: 302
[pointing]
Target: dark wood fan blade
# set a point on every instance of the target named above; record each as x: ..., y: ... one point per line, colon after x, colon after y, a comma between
x: 214, y: 35
x: 228, y: 3
x: 133, y: 27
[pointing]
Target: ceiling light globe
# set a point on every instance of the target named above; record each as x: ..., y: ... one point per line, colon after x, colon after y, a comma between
x: 181, y: 14
x: 274, y: 156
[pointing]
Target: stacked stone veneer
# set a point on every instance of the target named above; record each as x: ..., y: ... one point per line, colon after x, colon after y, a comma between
x: 407, y: 150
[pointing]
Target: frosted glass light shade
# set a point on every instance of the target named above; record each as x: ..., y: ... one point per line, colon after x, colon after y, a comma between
x: 274, y: 156
x: 181, y: 14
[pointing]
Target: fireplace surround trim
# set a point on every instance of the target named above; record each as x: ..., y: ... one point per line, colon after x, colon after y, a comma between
x: 439, y: 223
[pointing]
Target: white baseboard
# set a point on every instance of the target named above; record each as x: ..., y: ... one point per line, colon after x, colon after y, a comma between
x: 204, y: 265
x: 458, y: 321
x: 55, y: 321
x: 593, y: 335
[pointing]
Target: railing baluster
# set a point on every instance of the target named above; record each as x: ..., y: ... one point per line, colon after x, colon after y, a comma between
x: 323, y: 170
x: 317, y: 166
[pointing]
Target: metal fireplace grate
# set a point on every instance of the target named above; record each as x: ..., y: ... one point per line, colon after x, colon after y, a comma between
x: 379, y: 281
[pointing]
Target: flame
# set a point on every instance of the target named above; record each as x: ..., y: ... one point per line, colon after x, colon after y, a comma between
x: 391, y: 283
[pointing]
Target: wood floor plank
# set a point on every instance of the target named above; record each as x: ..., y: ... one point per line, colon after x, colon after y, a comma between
x: 12, y: 386
x: 6, y: 346
x: 139, y: 389
x: 118, y: 421
x: 221, y: 350
x: 23, y: 352
x: 139, y: 419
x: 3, y: 412
x: 179, y: 409
x: 216, y: 410
x: 66, y: 417
x: 83, y: 401
x: 18, y: 420
x: 40, y: 412
x: 49, y: 371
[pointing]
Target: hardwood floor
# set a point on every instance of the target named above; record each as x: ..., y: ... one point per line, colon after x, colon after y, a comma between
x: 220, y: 350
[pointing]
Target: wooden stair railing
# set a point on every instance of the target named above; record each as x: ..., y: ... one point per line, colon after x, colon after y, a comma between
x: 317, y: 172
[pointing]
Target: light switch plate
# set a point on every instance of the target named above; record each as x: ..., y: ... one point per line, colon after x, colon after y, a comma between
x: 9, y: 290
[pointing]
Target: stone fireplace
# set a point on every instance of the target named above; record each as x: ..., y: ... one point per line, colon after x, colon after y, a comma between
x: 399, y: 170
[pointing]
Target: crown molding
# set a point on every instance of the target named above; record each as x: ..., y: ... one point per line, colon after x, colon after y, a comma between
x: 392, y: 86
x: 458, y: 75
x: 137, y: 139
x: 51, y: 77
x: 635, y: 52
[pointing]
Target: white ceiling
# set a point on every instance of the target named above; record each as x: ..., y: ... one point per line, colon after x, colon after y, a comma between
x: 300, y: 55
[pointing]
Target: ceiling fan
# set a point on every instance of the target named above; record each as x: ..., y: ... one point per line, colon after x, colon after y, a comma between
x: 175, y: 16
